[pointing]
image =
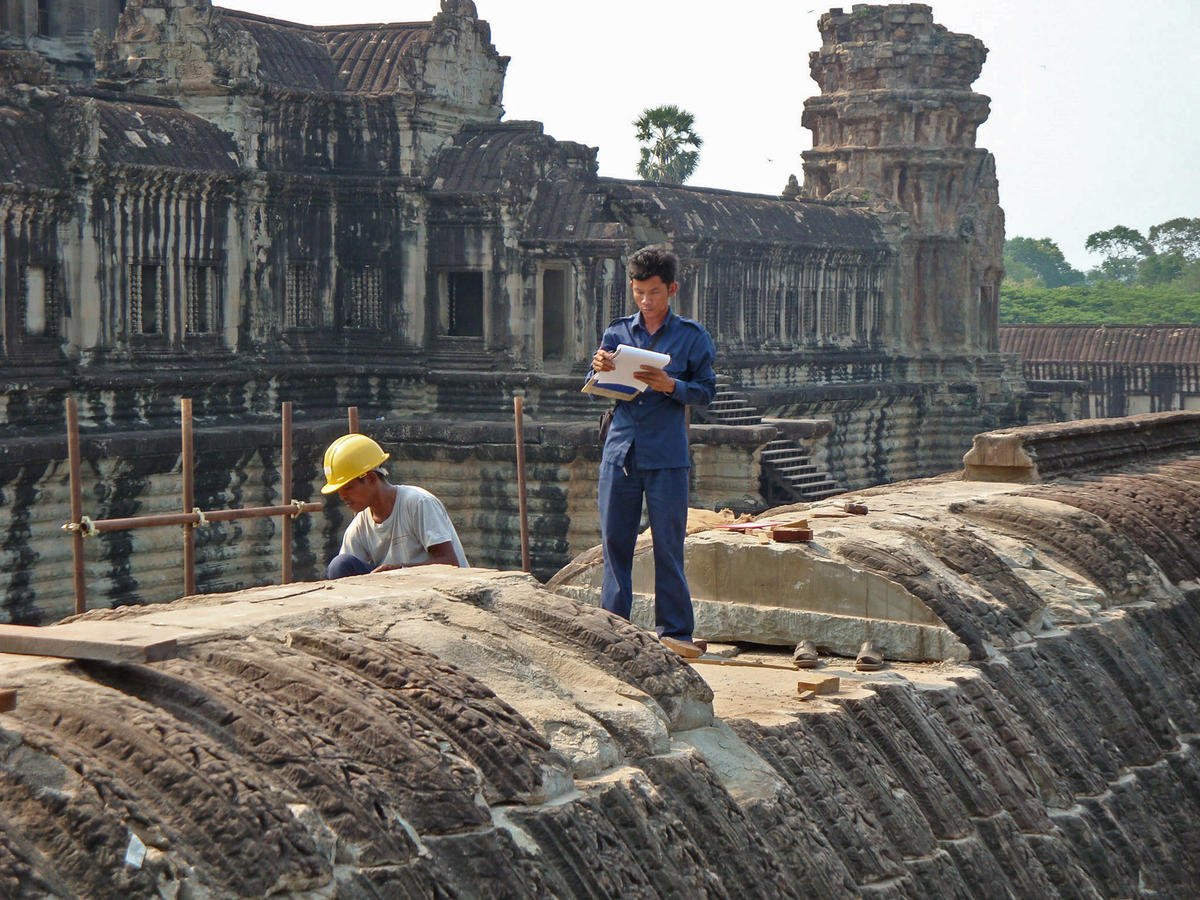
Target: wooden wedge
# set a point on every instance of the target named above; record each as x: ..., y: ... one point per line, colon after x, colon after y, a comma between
x: 822, y: 684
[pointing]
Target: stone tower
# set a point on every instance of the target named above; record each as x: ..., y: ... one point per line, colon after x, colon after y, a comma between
x: 894, y: 126
x: 60, y: 30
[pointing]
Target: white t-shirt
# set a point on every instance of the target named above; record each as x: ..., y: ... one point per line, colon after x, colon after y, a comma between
x: 418, y: 521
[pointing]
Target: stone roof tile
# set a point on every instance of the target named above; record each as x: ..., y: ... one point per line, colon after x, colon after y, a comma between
x: 153, y: 134
x: 570, y: 202
x: 340, y: 58
x: 289, y: 55
x: 483, y: 158
x: 369, y: 58
x: 695, y: 213
x: 27, y: 154
x: 1127, y: 344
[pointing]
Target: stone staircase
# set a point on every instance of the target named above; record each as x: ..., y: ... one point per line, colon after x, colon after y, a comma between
x: 787, y: 472
x: 730, y: 407
x: 788, y: 475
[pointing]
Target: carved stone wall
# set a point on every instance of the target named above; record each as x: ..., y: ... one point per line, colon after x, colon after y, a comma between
x: 471, y: 467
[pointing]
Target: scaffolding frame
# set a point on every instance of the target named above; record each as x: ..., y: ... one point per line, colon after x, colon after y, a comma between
x: 191, y: 517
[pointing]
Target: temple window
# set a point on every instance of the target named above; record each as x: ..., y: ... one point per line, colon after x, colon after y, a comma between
x: 618, y: 297
x: 843, y: 312
x: 861, y: 315
x: 203, y: 298
x: 554, y: 313
x: 300, y: 291
x: 147, y: 312
x: 363, y: 300
x: 42, y: 308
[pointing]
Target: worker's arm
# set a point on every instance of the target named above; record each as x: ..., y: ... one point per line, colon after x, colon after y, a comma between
x: 439, y: 555
x: 442, y: 555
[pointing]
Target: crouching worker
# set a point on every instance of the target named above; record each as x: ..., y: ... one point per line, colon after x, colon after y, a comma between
x: 396, y: 525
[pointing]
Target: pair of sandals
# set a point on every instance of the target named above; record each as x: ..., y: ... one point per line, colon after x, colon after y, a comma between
x: 869, y: 658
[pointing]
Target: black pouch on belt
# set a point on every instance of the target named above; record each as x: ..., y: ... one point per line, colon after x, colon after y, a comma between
x: 605, y: 422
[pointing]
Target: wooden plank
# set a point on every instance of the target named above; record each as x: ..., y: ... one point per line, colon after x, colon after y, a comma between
x: 709, y: 660
x: 8, y: 700
x: 103, y: 641
x: 822, y: 684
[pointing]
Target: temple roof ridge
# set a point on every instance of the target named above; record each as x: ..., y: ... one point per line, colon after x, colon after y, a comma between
x: 355, y: 26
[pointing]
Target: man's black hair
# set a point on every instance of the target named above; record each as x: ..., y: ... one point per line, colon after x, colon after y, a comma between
x: 651, y: 261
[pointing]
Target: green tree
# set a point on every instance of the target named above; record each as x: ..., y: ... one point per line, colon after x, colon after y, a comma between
x: 1160, y: 268
x: 1038, y: 261
x: 1180, y: 236
x: 670, y: 145
x: 1123, y: 249
x: 1100, y: 303
x: 1189, y: 278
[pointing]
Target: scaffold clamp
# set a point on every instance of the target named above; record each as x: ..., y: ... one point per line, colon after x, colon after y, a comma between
x: 84, y: 526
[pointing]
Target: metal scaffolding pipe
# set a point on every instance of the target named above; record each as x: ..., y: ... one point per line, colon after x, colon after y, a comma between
x: 285, y: 474
x: 519, y: 419
x: 189, y: 497
x: 158, y: 520
x: 76, y: 505
x: 191, y: 517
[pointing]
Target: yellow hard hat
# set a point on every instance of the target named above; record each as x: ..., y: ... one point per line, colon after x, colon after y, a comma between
x: 348, y: 457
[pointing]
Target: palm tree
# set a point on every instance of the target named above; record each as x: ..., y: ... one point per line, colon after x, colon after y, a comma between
x: 670, y: 148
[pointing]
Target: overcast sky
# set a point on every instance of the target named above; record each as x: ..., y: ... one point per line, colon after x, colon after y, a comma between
x: 1095, y: 103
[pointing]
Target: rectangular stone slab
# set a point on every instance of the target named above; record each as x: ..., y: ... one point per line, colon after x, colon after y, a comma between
x: 822, y: 684
x: 103, y: 641
x: 8, y: 701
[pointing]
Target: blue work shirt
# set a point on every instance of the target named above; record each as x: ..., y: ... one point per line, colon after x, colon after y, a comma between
x: 654, y: 421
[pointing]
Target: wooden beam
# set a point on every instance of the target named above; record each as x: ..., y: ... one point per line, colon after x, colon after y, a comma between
x: 710, y: 660
x: 103, y: 641
x: 8, y: 700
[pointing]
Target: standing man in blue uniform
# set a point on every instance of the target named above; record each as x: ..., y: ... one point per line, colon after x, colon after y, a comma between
x: 646, y: 452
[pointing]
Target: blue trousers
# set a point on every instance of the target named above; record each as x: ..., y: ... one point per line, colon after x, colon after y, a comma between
x: 666, y: 494
x: 346, y: 564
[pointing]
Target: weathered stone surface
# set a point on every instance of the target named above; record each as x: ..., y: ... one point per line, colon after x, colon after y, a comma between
x: 463, y: 732
x: 1040, y: 452
x: 948, y: 570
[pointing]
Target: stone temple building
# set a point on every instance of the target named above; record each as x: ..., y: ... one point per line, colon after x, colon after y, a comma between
x: 1111, y: 370
x: 203, y: 203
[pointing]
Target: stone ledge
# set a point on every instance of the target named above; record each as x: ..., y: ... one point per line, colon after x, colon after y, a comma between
x: 1040, y: 452
x: 800, y: 429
